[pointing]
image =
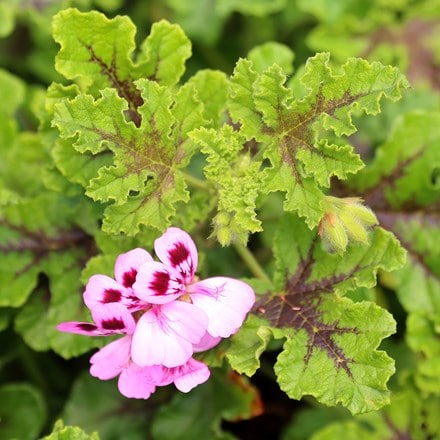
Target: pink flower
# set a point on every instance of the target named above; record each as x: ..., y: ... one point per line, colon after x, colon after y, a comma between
x: 165, y: 314
x: 185, y: 377
x: 102, y: 289
x: 225, y: 301
x: 165, y: 334
x: 114, y: 360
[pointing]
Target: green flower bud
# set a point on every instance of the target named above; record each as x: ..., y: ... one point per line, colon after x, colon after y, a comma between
x: 333, y: 234
x: 355, y: 229
x: 345, y: 219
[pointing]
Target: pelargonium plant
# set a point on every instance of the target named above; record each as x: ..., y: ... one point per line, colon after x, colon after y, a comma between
x: 228, y: 212
x: 165, y: 313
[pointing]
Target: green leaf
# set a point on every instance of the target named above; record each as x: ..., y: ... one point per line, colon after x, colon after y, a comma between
x: 7, y: 19
x: 247, y: 345
x: 22, y: 411
x: 409, y: 416
x: 89, y: 392
x: 341, y: 343
x: 99, y: 52
x: 211, y: 87
x: 43, y: 250
x: 404, y: 170
x: 264, y: 55
x: 12, y: 90
x: 238, y: 182
x: 199, y: 413
x: 423, y: 338
x: 327, y: 335
x: 256, y: 7
x: 144, y: 182
x: 292, y: 130
x: 61, y: 432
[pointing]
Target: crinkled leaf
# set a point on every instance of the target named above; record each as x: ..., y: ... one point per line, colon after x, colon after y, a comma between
x: 247, y: 345
x: 211, y: 87
x: 61, y: 432
x: 238, y: 181
x: 144, y: 181
x: 199, y: 413
x: 22, y: 411
x: 327, y: 334
x: 99, y: 52
x: 292, y: 130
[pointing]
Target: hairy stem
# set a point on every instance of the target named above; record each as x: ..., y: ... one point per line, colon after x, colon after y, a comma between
x: 251, y: 262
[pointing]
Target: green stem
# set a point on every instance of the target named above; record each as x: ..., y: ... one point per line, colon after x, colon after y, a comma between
x: 252, y: 263
x: 197, y: 183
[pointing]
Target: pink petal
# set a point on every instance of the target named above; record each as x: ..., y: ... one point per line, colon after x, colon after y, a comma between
x: 82, y: 328
x: 187, y: 376
x: 113, y: 318
x: 108, y: 362
x: 158, y: 284
x: 165, y: 334
x: 102, y: 289
x: 136, y: 382
x: 226, y: 301
x: 127, y: 265
x: 206, y: 343
x: 177, y: 249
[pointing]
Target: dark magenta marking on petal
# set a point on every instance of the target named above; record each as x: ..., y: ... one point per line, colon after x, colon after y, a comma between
x: 160, y: 283
x: 87, y: 327
x: 129, y: 278
x: 178, y: 254
x: 111, y: 296
x: 113, y: 324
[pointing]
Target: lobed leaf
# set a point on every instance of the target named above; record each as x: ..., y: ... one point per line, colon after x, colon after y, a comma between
x: 144, y: 180
x: 327, y: 335
x: 291, y: 129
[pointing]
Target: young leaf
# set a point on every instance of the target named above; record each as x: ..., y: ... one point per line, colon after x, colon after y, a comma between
x: 327, y: 335
x: 291, y: 130
x: 61, y: 432
x: 238, y: 180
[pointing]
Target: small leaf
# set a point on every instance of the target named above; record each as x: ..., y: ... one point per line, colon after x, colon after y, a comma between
x: 61, y: 432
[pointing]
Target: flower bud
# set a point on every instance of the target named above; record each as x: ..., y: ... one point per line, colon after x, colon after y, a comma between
x: 345, y: 219
x: 333, y: 235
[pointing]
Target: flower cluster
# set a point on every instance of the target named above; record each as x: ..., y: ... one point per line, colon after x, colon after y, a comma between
x: 165, y: 314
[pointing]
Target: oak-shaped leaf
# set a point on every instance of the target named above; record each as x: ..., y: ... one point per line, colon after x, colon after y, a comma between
x: 330, y: 349
x: 144, y: 181
x: 292, y: 125
x: 97, y: 52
